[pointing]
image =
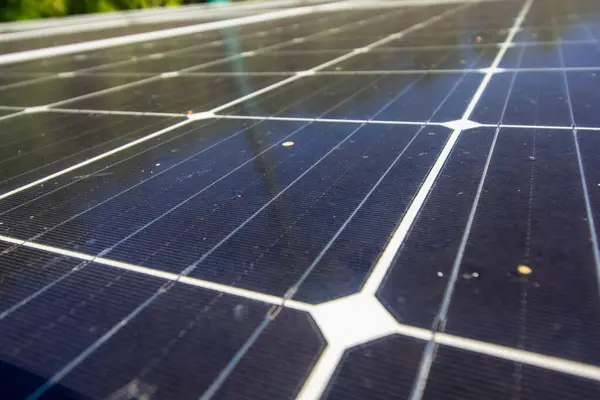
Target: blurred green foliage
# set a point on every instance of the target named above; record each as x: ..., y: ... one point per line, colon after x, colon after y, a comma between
x: 11, y: 10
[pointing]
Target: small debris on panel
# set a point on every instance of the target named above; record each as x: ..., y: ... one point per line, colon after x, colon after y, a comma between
x: 524, y: 270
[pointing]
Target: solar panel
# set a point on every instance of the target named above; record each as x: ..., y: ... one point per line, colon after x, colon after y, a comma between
x: 302, y: 200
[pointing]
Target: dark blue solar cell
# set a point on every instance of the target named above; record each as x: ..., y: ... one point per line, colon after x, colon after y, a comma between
x: 470, y: 375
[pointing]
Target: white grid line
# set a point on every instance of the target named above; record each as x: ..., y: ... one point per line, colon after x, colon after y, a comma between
x: 112, y: 112
x: 559, y: 127
x: 552, y: 69
x: 23, y: 110
x: 209, y: 114
x: 326, y: 120
x: 404, y: 71
x: 232, y: 73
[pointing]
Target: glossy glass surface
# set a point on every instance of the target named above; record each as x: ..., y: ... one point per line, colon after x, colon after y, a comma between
x: 177, y: 216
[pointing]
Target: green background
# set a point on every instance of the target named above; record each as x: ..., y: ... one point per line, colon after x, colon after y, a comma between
x: 11, y: 10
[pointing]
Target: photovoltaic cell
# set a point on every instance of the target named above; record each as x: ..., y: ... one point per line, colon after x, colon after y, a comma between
x: 583, y: 89
x: 46, y: 333
x: 58, y: 89
x: 345, y: 266
x: 294, y: 229
x: 459, y: 373
x: 177, y: 95
x: 590, y: 160
x: 194, y: 322
x: 416, y: 59
x: 452, y: 37
x: 536, y: 215
x: 159, y: 150
x: 384, y: 369
x: 403, y: 97
x: 164, y: 63
x: 37, y: 145
x: 557, y: 34
x: 279, y: 362
x: 415, y: 285
x: 535, y: 98
x: 549, y: 55
x: 204, y: 41
x: 273, y: 62
x: 24, y: 271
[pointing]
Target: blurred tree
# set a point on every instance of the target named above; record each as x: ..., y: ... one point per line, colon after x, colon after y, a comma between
x: 26, y: 9
x: 11, y: 10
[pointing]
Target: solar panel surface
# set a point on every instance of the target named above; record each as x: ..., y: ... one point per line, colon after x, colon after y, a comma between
x: 348, y: 200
